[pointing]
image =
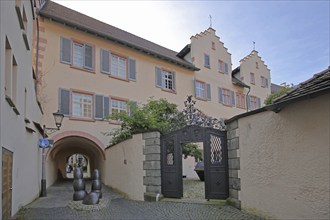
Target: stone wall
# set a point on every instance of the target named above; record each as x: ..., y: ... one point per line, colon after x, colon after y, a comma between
x: 233, y: 164
x: 151, y: 166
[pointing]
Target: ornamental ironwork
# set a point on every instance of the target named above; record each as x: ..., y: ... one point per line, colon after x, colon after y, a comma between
x: 194, y: 116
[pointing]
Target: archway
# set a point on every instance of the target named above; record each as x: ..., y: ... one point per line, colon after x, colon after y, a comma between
x: 67, y: 144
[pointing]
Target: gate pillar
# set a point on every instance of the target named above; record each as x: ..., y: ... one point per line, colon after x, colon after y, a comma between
x: 151, y: 165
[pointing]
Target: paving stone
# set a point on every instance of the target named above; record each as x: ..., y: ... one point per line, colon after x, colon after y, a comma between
x: 117, y: 207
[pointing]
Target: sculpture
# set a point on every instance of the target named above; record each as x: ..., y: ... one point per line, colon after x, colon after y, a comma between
x: 96, y: 194
x: 78, y: 185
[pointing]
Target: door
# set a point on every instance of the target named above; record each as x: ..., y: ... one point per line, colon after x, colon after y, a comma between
x: 171, y: 162
x: 7, y: 165
x: 215, y: 162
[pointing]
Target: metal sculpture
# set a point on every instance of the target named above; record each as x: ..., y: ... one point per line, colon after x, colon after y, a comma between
x: 78, y: 185
x: 95, y: 195
x: 194, y: 116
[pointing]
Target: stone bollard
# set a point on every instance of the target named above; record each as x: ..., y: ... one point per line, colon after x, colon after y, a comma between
x: 78, y: 185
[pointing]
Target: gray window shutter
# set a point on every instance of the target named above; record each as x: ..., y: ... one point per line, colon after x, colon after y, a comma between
x: 208, y: 91
x: 99, y: 107
x: 106, y: 106
x: 232, y: 93
x: 105, y: 61
x: 226, y: 68
x: 132, y: 69
x: 220, y: 95
x: 248, y: 104
x: 158, y: 77
x: 194, y: 88
x: 131, y: 109
x: 173, y: 81
x: 66, y: 50
x: 64, y: 101
x: 89, y: 57
x: 259, y: 102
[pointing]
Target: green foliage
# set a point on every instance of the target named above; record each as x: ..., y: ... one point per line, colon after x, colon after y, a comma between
x: 191, y: 149
x: 154, y: 115
x: 271, y: 97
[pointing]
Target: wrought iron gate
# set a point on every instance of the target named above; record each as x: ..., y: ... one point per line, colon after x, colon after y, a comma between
x: 215, y: 160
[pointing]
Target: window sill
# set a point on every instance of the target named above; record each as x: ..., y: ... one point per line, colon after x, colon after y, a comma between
x: 202, y: 99
x: 209, y: 67
x: 168, y: 90
x: 241, y: 107
x: 115, y: 77
x: 82, y: 69
x: 227, y: 105
x: 81, y: 119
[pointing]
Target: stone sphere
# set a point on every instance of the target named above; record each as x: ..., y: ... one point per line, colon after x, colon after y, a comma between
x: 79, y: 195
x: 96, y: 174
x: 79, y: 184
x: 77, y: 173
x: 91, y: 199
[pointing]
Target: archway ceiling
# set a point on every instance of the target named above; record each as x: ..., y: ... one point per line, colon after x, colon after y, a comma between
x: 73, y: 144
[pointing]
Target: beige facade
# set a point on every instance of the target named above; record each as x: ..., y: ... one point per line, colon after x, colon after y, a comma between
x: 20, y: 114
x: 88, y: 72
x: 284, y: 161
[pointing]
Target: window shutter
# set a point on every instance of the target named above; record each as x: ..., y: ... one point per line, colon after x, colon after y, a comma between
x: 194, y: 87
x: 173, y: 81
x: 158, y: 77
x: 248, y: 103
x: 232, y: 98
x: 64, y: 101
x: 220, y: 95
x: 208, y: 91
x: 89, y: 57
x: 105, y: 61
x: 133, y: 105
x: 132, y: 69
x: 66, y: 50
x: 106, y: 105
x: 99, y: 107
x: 259, y: 102
x: 226, y: 68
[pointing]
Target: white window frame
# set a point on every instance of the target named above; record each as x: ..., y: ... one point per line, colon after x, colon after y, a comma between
x: 118, y: 66
x: 168, y: 80
x: 118, y: 105
x: 82, y: 105
x: 200, y: 89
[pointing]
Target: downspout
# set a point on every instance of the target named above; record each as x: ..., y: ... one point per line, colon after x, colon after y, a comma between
x: 247, y: 94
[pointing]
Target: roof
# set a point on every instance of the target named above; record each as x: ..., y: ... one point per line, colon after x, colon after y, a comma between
x: 238, y: 82
x: 69, y: 17
x: 275, y: 88
x: 319, y: 83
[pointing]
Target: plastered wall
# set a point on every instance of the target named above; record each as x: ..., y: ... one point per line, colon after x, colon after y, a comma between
x: 284, y: 161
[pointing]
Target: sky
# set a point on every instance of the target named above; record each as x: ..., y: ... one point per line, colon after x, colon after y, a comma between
x: 292, y: 37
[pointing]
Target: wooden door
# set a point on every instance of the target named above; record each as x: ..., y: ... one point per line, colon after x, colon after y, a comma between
x: 7, y: 166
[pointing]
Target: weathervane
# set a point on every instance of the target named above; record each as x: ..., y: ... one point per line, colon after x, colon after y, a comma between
x: 210, y: 21
x: 254, y: 45
x: 194, y: 116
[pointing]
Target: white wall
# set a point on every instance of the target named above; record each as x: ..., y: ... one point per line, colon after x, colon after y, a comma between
x: 284, y: 161
x: 124, y: 167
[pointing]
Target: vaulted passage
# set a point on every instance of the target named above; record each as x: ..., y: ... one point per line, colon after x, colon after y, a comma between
x: 81, y: 151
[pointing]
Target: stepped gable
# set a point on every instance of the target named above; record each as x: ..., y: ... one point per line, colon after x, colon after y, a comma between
x: 207, y: 32
x: 79, y: 21
x: 253, y: 52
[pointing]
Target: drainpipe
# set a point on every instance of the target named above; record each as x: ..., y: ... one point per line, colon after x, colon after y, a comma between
x: 247, y: 94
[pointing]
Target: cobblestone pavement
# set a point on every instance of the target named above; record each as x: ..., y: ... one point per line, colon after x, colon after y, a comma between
x: 58, y: 205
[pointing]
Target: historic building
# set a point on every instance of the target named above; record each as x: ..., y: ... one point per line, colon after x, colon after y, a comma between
x: 20, y: 114
x: 90, y: 69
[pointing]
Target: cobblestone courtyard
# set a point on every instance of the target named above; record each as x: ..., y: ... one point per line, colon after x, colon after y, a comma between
x: 58, y: 205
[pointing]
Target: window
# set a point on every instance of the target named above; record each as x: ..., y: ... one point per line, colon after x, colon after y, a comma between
x: 202, y: 90
x: 118, y: 66
x: 81, y: 55
x: 213, y: 45
x: 207, y: 60
x: 118, y: 106
x: 240, y: 100
x: 226, y: 96
x: 257, y: 65
x: 253, y: 102
x: 222, y: 67
x: 252, y: 79
x: 264, y: 82
x: 82, y: 105
x: 165, y: 79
